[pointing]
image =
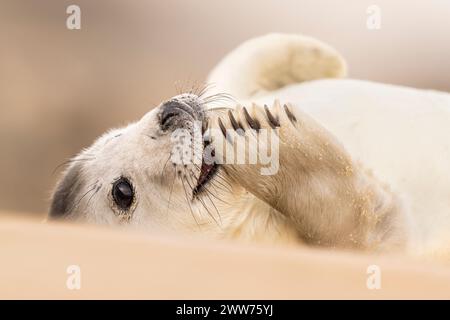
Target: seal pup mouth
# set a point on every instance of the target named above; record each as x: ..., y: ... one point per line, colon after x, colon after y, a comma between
x: 207, y: 170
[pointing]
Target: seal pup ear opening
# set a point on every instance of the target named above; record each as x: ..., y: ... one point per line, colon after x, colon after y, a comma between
x: 273, y: 61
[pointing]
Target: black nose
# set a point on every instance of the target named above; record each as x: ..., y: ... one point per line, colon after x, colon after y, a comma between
x: 175, y: 113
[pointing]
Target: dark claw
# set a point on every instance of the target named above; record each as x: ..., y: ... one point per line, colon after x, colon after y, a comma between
x: 233, y: 120
x: 273, y: 122
x: 236, y: 126
x: 253, y: 123
x: 222, y: 127
x: 289, y: 114
x: 224, y: 131
x: 205, y: 125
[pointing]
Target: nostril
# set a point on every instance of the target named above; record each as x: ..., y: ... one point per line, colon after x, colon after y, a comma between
x: 166, y: 116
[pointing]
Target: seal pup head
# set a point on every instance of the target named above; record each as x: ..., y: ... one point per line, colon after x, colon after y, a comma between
x: 151, y: 173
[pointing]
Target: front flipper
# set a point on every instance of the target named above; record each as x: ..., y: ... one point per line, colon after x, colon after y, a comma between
x: 305, y: 173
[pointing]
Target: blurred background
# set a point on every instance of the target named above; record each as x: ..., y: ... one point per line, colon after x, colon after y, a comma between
x: 60, y: 88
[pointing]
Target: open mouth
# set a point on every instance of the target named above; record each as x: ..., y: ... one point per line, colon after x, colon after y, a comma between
x: 207, y: 172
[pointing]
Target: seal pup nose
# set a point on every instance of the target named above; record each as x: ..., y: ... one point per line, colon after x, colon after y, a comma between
x: 178, y: 111
x: 173, y: 113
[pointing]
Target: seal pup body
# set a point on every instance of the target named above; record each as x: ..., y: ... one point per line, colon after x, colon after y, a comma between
x: 324, y: 193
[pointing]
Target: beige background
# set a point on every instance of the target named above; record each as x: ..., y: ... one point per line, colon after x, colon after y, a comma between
x: 124, y: 265
x: 59, y: 89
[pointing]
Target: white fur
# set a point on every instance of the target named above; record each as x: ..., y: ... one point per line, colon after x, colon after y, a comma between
x: 264, y: 64
x: 402, y: 134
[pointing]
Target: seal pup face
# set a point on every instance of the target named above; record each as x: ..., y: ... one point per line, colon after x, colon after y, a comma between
x: 137, y: 175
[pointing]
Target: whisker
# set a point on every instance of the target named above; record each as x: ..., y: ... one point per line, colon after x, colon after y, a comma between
x: 206, y: 87
x: 204, y: 205
x: 213, y: 180
x: 75, y: 206
x: 212, y: 108
x: 209, y: 213
x: 187, y: 181
x: 164, y: 167
x: 177, y: 87
x: 220, y: 95
x: 197, y: 88
x: 171, y: 189
x: 188, y: 202
x: 90, y: 198
x: 192, y: 176
x: 71, y: 161
x: 212, y: 194
x: 212, y: 202
x: 219, y: 175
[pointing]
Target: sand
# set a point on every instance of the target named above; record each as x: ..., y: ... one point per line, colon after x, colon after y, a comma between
x: 116, y: 264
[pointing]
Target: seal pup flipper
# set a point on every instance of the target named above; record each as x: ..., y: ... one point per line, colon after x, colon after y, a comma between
x: 273, y: 61
x: 329, y: 198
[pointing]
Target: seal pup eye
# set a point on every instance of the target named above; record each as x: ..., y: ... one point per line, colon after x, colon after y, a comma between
x: 123, y: 193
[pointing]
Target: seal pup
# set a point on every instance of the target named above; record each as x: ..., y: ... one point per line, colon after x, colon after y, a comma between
x: 357, y: 160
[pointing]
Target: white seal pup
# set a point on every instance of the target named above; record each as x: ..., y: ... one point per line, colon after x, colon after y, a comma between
x: 360, y: 164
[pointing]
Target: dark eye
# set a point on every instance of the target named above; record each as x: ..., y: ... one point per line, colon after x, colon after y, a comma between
x: 123, y: 193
